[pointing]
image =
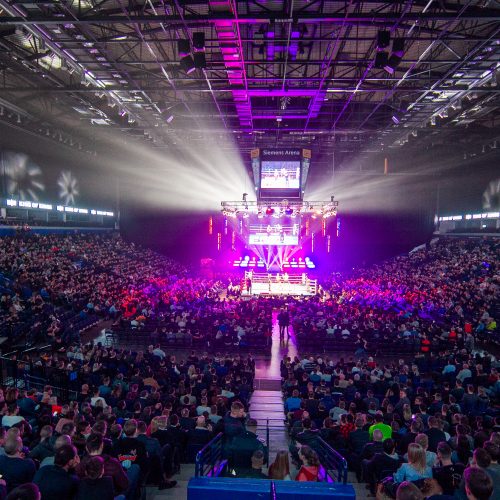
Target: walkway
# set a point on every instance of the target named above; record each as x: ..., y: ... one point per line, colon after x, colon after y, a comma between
x: 266, y: 404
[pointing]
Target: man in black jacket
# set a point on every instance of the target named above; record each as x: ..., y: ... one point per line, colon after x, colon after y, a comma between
x: 381, y: 465
x: 56, y: 481
x: 435, y: 434
x: 308, y: 437
x: 242, y: 447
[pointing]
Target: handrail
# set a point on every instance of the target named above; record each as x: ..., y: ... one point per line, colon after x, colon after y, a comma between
x: 208, y: 452
x: 334, y: 463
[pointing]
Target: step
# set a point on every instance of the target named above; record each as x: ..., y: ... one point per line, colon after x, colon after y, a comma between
x: 264, y: 393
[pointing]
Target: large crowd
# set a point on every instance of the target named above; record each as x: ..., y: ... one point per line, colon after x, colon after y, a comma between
x: 134, y: 416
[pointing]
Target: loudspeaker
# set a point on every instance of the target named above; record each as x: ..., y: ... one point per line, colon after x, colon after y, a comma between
x: 398, y: 46
x: 381, y: 59
x: 199, y: 40
x: 200, y: 60
x: 383, y: 39
x: 183, y: 47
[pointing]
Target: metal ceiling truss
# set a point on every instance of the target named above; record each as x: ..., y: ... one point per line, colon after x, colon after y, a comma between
x: 279, y: 72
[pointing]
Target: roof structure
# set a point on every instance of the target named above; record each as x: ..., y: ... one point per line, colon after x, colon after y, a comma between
x: 351, y: 76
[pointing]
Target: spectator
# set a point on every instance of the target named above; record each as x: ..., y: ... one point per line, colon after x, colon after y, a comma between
x: 434, y: 433
x: 280, y: 468
x: 56, y: 481
x: 256, y: 469
x: 446, y: 473
x: 14, y: 467
x: 310, y: 465
x: 112, y: 467
x: 26, y: 491
x: 416, y: 467
x: 93, y: 484
x: 478, y: 485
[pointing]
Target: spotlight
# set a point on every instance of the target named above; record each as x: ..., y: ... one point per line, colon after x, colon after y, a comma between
x: 170, y: 119
x: 245, y: 196
x: 332, y: 198
x: 187, y: 64
x: 289, y: 211
x: 269, y: 211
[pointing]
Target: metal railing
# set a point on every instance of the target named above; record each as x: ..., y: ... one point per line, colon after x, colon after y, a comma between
x: 24, y: 375
x: 209, y: 456
x: 334, y: 463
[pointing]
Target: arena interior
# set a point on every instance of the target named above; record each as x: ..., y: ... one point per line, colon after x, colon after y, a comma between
x: 249, y: 249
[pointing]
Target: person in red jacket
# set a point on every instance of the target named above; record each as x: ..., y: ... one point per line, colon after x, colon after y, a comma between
x: 310, y: 468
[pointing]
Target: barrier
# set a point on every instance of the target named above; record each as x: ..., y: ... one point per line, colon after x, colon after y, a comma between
x: 334, y: 463
x: 221, y: 488
x: 209, y: 460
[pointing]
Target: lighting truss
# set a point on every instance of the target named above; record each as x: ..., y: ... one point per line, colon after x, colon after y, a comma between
x: 324, y: 209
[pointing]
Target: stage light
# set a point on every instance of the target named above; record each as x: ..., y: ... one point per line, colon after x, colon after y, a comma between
x: 187, y: 64
x: 288, y: 211
x: 170, y: 119
x: 269, y: 211
x: 244, y: 198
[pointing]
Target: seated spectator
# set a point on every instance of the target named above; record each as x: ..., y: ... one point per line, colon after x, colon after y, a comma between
x: 446, y: 473
x: 310, y: 465
x: 358, y: 438
x: 478, y: 485
x: 14, y: 467
x: 430, y: 457
x: 26, y: 491
x: 416, y: 467
x: 373, y: 447
x: 56, y: 481
x: 44, y: 448
x: 280, y: 468
x: 408, y: 491
x: 60, y: 441
x: 129, y: 449
x: 94, y: 484
x: 12, y: 417
x: 256, y: 469
x: 381, y: 465
x: 434, y: 433
x: 379, y: 424
x: 112, y: 467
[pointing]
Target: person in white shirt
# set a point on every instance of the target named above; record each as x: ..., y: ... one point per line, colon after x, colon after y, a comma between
x: 12, y: 417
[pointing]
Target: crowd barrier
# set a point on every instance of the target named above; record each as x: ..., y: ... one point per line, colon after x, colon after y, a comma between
x: 221, y: 488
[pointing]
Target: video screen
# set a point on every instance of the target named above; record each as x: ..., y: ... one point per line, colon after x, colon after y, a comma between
x: 280, y: 175
x: 273, y: 239
x: 276, y: 234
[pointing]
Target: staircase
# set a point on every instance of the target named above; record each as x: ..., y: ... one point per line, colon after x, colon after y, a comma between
x: 266, y: 406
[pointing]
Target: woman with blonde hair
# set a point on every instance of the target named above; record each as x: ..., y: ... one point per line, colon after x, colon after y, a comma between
x: 280, y: 468
x: 416, y: 468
